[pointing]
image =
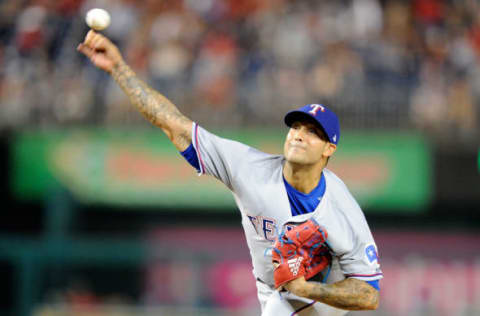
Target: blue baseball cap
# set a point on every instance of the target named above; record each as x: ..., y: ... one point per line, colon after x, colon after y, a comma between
x: 326, y: 119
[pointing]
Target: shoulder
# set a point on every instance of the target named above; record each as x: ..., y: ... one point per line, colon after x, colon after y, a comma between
x: 261, y: 165
x: 262, y: 157
x: 233, y: 152
x: 211, y: 141
x: 342, y: 200
x: 335, y: 186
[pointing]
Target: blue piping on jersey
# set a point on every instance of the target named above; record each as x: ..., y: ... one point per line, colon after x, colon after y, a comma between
x: 197, y: 150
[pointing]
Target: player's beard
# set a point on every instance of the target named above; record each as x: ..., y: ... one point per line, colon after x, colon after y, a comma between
x: 299, y: 156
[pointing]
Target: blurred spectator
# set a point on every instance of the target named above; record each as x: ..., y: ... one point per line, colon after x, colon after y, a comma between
x: 393, y: 64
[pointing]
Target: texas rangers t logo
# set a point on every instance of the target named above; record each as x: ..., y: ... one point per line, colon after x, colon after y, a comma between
x: 315, y: 108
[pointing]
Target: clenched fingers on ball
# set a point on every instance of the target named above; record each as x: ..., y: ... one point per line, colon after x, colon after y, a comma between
x: 99, y: 43
x: 89, y: 38
x: 95, y: 41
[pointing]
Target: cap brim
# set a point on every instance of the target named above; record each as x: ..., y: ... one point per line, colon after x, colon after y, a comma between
x: 294, y: 116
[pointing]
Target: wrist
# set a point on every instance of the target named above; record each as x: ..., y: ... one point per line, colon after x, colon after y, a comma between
x: 117, y: 58
x: 118, y: 66
x: 300, y: 287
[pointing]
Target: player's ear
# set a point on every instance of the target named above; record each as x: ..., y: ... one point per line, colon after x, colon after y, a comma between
x: 329, y: 149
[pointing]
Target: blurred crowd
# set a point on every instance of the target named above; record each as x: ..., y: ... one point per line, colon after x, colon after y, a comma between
x: 381, y: 64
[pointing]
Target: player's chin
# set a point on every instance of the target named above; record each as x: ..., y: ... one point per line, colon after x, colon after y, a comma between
x: 296, y: 158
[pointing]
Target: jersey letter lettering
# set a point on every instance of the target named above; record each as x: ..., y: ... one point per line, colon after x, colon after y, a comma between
x: 269, y: 229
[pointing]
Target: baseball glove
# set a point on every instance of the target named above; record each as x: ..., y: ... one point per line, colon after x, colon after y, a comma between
x: 301, y: 251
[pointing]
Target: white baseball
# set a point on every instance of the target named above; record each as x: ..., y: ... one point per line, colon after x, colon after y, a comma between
x: 98, y: 19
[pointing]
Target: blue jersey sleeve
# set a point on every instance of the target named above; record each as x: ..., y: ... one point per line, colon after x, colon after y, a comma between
x: 190, y: 154
x: 375, y: 284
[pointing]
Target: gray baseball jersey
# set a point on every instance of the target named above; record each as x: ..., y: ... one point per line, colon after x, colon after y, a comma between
x: 256, y: 181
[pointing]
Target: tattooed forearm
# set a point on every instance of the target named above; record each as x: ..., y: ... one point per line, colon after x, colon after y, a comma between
x: 351, y: 294
x: 154, y: 106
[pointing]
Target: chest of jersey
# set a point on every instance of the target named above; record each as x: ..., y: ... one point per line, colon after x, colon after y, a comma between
x: 274, y: 216
x: 266, y: 206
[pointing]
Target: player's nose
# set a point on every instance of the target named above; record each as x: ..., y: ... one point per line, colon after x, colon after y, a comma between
x: 298, y: 134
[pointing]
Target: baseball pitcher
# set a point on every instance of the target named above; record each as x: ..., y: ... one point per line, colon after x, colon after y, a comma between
x: 311, y: 248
